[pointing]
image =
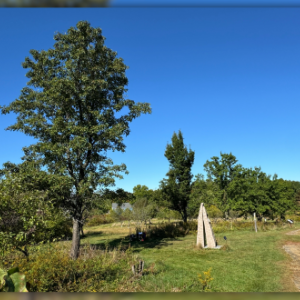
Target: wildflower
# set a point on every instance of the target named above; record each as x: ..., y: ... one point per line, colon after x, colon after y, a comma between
x: 207, y: 278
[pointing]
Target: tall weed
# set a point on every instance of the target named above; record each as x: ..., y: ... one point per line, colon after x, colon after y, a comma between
x: 52, y: 270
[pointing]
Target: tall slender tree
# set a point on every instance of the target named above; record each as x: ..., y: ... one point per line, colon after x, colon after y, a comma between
x: 178, y: 185
x: 69, y: 105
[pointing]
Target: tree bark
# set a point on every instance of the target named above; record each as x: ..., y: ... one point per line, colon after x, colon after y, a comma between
x: 75, y: 240
x: 184, y: 216
x: 81, y: 230
x: 226, y: 215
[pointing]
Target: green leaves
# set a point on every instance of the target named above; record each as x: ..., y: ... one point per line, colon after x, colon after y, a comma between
x: 222, y: 171
x: 28, y: 199
x: 12, y: 281
x: 178, y: 185
x: 253, y: 191
x: 69, y: 105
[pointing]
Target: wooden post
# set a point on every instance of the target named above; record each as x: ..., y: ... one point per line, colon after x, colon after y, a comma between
x: 254, y: 217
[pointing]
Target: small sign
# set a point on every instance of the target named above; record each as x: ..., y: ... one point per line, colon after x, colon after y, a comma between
x: 290, y: 221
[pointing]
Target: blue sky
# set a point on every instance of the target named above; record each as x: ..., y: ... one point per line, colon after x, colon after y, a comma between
x: 228, y: 78
x: 181, y: 3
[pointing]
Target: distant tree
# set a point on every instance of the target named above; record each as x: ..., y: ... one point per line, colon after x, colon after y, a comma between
x: 69, y: 104
x: 119, y: 196
x: 119, y: 215
x: 177, y: 187
x: 127, y: 214
x: 247, y: 192
x: 166, y: 213
x: 297, y: 197
x: 100, y: 205
x: 154, y: 197
x: 296, y: 187
x: 222, y: 171
x: 214, y: 213
x: 253, y: 191
x: 282, y: 198
x: 142, y: 211
x: 203, y: 191
x: 141, y: 191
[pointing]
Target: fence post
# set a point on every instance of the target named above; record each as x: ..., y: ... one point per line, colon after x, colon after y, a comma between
x: 254, y: 217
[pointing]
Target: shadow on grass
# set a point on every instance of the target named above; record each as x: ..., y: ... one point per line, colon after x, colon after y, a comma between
x: 91, y: 234
x: 124, y: 243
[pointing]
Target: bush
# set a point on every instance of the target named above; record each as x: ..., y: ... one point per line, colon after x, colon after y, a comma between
x: 294, y: 217
x: 234, y: 226
x: 171, y: 230
x: 52, y: 270
x: 166, y: 231
x: 227, y: 225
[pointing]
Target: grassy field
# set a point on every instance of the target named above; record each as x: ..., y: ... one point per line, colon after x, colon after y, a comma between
x: 253, y: 262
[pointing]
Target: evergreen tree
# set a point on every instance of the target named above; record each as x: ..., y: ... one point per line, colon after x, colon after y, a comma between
x: 69, y: 105
x: 177, y: 187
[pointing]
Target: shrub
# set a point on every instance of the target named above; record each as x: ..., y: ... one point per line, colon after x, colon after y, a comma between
x: 52, y: 270
x: 294, y: 217
x: 166, y: 231
x: 227, y: 225
x: 171, y: 230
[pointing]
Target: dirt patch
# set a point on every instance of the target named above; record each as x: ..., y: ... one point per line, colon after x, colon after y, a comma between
x: 293, y: 249
x: 295, y: 232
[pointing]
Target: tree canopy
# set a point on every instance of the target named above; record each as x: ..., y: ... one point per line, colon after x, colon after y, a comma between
x: 254, y: 191
x: 178, y: 185
x: 222, y: 171
x: 69, y: 105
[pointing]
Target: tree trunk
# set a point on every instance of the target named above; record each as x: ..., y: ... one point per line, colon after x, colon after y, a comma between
x: 75, y: 240
x: 226, y: 215
x: 81, y: 230
x: 184, y: 216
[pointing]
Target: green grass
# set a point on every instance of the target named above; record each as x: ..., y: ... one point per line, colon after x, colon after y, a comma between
x: 254, y: 263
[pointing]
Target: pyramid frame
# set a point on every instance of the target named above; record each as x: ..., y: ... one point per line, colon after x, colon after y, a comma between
x: 205, y: 230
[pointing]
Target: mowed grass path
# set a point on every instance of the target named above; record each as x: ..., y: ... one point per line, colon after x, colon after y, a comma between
x: 256, y: 262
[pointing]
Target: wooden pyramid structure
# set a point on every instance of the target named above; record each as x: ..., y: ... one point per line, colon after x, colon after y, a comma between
x: 205, y: 235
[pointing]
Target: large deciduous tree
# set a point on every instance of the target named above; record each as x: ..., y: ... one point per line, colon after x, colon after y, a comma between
x: 177, y: 187
x: 282, y: 197
x: 254, y: 191
x: 69, y: 105
x: 203, y: 191
x: 222, y: 172
x: 247, y: 192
